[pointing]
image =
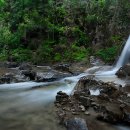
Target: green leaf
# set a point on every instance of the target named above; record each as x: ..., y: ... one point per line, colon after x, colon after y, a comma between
x: 2, y: 1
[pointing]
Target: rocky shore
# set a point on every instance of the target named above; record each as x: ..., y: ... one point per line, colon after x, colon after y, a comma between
x: 11, y: 72
x: 93, y: 103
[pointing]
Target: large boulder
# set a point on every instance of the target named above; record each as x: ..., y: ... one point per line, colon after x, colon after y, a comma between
x: 11, y: 64
x: 96, y: 61
x: 62, y: 67
x: 73, y: 68
x: 51, y: 76
x: 29, y: 73
x: 124, y: 71
x: 76, y: 124
x: 111, y: 112
x: 62, y: 97
x: 7, y: 78
x: 126, y: 111
x: 25, y: 66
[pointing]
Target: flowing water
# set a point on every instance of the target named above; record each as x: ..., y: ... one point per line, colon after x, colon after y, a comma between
x: 125, y: 55
x: 123, y: 59
x: 29, y: 105
x: 25, y: 108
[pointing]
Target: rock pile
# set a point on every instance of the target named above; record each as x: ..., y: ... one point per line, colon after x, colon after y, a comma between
x: 109, y: 106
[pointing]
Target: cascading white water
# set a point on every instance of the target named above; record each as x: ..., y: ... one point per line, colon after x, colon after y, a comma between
x: 123, y: 59
x: 125, y: 55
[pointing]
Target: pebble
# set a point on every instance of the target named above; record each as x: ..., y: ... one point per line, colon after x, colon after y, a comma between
x: 82, y: 108
x: 75, y: 113
x: 86, y: 113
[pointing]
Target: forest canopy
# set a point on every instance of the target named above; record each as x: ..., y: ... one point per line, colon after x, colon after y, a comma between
x: 62, y: 30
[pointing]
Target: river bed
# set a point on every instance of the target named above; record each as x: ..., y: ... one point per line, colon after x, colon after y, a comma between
x: 29, y: 109
x: 30, y: 105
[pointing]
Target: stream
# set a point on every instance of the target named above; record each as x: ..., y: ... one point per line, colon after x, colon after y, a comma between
x: 30, y: 105
x: 27, y: 108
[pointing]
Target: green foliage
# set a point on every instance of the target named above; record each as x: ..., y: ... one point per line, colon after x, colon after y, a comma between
x: 21, y: 54
x: 2, y: 2
x: 58, y: 57
x: 44, y: 52
x: 3, y: 55
x: 76, y: 53
x: 116, y: 38
x: 39, y: 27
x: 108, y: 54
x: 7, y: 38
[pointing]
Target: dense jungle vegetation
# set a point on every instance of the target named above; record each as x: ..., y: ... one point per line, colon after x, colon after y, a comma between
x: 62, y: 30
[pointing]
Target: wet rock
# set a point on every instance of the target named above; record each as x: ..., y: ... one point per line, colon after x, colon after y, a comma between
x: 111, y: 105
x: 82, y: 108
x: 112, y: 113
x: 73, y: 68
x: 86, y: 101
x: 126, y: 111
x: 126, y: 88
x: 11, y: 64
x: 124, y: 71
x: 104, y: 97
x: 62, y: 97
x: 85, y: 92
x: 62, y: 67
x: 109, y: 90
x: 86, y: 113
x: 7, y: 78
x: 25, y: 66
x: 75, y: 113
x: 96, y: 61
x: 45, y: 77
x: 76, y: 124
x: 85, y: 83
x: 50, y: 76
x: 28, y: 73
x: 120, y: 73
x: 2, y: 64
x: 92, y: 59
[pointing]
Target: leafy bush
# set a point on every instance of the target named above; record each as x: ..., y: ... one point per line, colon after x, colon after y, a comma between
x: 3, y: 56
x: 21, y: 54
x: 57, y: 57
x: 108, y: 54
x: 76, y: 53
x: 44, y: 52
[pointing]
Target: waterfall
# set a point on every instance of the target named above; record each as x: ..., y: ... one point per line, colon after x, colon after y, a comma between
x: 125, y: 55
x: 123, y: 59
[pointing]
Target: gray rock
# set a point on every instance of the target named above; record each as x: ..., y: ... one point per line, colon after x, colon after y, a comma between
x: 85, y: 101
x: 124, y: 71
x: 25, y: 66
x: 126, y: 111
x: 76, y: 124
x: 7, y: 78
x: 11, y: 64
x: 112, y: 113
x: 62, y: 97
x: 62, y: 67
x: 51, y: 76
x: 29, y: 73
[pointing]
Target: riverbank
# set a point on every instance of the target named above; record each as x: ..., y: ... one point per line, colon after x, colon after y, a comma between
x: 11, y: 72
